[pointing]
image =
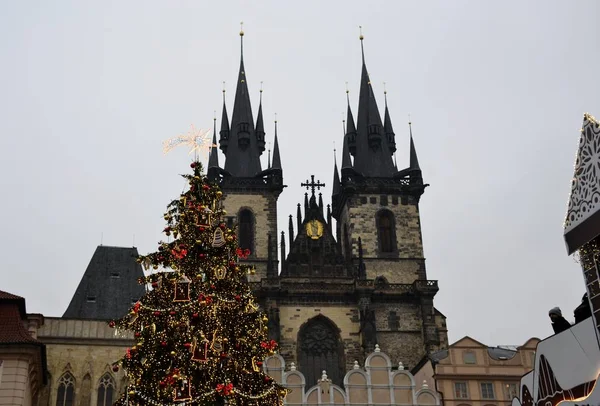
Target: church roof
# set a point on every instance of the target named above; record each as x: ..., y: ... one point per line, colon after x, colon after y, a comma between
x: 109, y: 285
x: 12, y: 314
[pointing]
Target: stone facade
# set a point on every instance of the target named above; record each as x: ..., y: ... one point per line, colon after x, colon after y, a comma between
x: 263, y: 205
x: 84, y: 350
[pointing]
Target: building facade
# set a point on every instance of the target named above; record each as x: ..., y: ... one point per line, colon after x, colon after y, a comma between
x: 352, y: 279
x: 23, y: 367
x: 344, y: 285
x: 470, y: 373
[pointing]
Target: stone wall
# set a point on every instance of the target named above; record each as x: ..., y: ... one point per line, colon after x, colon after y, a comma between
x: 264, y: 207
x: 85, y: 349
x: 346, y: 318
x: 359, y: 217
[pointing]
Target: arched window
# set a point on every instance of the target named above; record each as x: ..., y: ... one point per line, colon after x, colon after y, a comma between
x: 320, y: 349
x: 65, y: 395
x: 106, y: 388
x: 386, y: 231
x: 246, y: 229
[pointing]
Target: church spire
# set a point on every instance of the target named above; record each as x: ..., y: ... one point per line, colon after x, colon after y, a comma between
x: 350, y: 126
x: 414, y: 161
x: 387, y: 125
x: 213, y: 159
x: 372, y: 157
x: 244, y: 148
x: 346, y: 161
x: 276, y: 157
x: 336, y: 177
x: 224, y: 133
x: 260, y: 127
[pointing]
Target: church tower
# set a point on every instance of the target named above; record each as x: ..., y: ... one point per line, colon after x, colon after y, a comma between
x: 376, y: 207
x: 249, y: 193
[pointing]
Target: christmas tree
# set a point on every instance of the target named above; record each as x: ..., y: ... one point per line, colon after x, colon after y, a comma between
x: 200, y: 338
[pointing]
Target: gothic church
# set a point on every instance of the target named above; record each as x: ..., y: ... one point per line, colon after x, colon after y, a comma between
x: 344, y: 288
x: 341, y: 289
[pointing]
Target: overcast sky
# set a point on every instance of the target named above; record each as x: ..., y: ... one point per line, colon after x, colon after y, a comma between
x: 496, y: 92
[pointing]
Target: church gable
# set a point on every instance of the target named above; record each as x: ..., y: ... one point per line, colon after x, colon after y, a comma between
x: 314, y: 252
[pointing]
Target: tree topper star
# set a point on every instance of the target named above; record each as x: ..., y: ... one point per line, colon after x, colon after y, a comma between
x: 197, y: 139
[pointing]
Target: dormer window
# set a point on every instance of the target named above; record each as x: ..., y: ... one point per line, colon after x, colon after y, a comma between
x: 114, y: 275
x: 91, y: 299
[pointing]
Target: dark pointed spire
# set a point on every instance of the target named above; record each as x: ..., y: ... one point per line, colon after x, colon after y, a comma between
x: 350, y: 131
x: 346, y: 161
x: 291, y: 231
x: 387, y: 126
x: 224, y: 133
x: 336, y: 177
x: 321, y: 202
x: 244, y: 150
x: 329, y: 217
x: 213, y: 160
x: 276, y: 157
x: 414, y: 162
x: 372, y: 157
x: 260, y: 127
x: 306, y: 204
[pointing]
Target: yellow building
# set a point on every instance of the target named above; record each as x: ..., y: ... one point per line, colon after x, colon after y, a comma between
x: 470, y: 373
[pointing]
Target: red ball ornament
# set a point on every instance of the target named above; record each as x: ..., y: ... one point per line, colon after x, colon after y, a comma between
x: 213, y: 287
x: 193, y: 165
x: 222, y: 226
x: 231, y: 263
x: 238, y: 297
x: 157, y: 313
x: 205, y: 187
x: 111, y: 324
x: 223, y: 355
x: 202, y: 256
x: 163, y: 343
x: 115, y: 368
x: 155, y: 284
x: 172, y: 312
x: 195, y: 315
x: 137, y: 334
x: 162, y: 383
x: 187, y: 345
x: 259, y: 364
x: 201, y: 229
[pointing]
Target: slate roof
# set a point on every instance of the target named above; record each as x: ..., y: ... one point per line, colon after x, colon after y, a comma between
x: 109, y: 285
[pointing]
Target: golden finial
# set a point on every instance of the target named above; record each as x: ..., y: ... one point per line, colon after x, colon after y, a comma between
x: 275, y: 118
x: 261, y: 86
x: 361, y: 37
x: 241, y: 28
x: 347, y: 91
x: 409, y: 122
x: 223, y: 86
x: 384, y: 89
x: 215, y: 115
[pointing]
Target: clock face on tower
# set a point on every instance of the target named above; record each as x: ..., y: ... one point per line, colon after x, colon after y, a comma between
x: 314, y: 229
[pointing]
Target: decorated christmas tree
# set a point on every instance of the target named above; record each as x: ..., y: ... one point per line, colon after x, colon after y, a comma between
x: 200, y: 338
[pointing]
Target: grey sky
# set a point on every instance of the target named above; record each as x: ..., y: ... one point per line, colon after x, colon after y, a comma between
x: 496, y: 92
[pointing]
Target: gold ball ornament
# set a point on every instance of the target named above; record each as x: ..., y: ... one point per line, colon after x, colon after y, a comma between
x: 173, y: 353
